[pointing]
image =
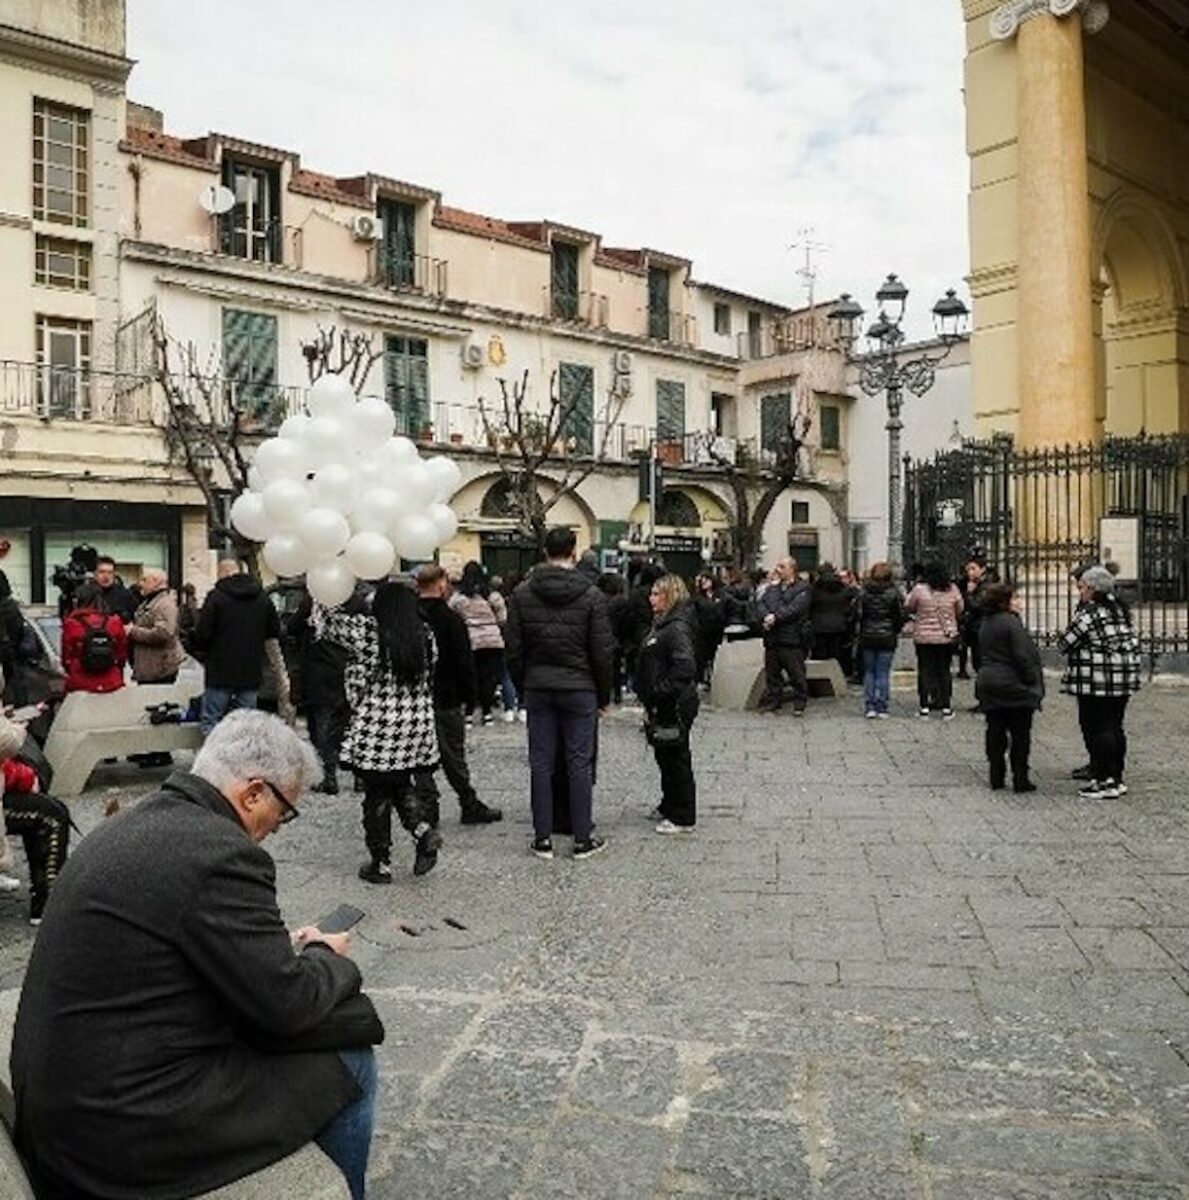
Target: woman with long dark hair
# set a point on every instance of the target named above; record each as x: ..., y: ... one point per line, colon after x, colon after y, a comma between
x: 391, y: 733
x: 935, y: 606
x: 485, y: 614
x: 1102, y: 671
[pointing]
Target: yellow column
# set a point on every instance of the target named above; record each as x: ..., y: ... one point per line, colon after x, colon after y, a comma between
x: 1057, y: 370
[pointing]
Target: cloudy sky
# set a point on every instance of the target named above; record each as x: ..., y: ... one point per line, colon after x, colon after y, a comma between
x: 707, y: 129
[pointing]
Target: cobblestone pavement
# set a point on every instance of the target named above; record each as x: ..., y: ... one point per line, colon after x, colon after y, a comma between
x: 865, y: 977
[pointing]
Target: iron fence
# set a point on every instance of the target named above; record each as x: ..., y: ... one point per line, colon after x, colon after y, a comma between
x: 1038, y: 514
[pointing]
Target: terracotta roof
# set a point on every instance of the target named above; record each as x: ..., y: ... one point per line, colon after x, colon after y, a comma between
x: 534, y: 231
x: 462, y: 221
x: 633, y: 259
x: 194, y: 152
x: 326, y: 187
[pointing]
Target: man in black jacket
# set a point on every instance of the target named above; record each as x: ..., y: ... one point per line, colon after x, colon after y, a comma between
x: 784, y: 617
x: 140, y: 1070
x: 560, y: 651
x: 236, y: 628
x: 455, y: 692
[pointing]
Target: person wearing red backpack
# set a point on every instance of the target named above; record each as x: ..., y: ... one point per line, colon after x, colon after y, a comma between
x: 94, y: 644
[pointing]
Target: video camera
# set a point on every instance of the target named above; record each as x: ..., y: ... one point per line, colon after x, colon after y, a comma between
x: 68, y: 576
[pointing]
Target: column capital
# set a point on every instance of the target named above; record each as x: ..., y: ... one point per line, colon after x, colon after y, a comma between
x: 1009, y: 16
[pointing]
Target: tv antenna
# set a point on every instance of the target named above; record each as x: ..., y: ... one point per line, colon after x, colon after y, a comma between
x: 812, y: 248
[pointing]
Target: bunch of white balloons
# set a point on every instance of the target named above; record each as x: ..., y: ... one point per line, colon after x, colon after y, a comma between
x: 337, y: 497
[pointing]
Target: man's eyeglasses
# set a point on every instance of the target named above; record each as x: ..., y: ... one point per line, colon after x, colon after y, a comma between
x: 288, y: 812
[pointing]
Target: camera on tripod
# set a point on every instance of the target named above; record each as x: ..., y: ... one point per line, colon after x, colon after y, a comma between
x: 68, y: 576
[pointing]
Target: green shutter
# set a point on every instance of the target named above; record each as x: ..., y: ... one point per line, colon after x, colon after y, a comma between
x: 564, y: 281
x: 576, y: 391
x: 670, y: 410
x: 831, y: 427
x: 400, y: 230
x: 658, y: 303
x: 250, y: 358
x: 406, y: 382
x: 776, y: 411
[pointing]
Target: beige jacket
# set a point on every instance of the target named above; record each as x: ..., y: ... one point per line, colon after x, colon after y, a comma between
x: 157, y: 652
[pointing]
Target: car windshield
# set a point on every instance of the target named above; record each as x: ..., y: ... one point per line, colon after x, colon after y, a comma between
x: 51, y: 629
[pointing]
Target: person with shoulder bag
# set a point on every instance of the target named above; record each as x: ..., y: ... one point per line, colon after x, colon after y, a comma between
x: 935, y: 604
x: 666, y: 683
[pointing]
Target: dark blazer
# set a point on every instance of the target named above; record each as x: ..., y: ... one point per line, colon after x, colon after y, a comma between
x: 162, y: 942
x: 454, y: 680
x: 1010, y: 675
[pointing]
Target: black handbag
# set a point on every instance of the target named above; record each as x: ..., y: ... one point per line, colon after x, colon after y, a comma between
x: 351, y: 1025
x: 665, y: 735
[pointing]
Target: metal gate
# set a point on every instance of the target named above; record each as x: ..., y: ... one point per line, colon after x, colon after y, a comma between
x: 1037, y: 514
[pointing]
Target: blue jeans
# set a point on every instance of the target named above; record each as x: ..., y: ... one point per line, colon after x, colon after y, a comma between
x: 218, y: 702
x: 508, y: 696
x: 569, y: 719
x: 877, y: 676
x: 347, y: 1138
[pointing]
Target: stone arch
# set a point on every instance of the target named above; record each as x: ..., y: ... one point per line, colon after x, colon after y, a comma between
x: 1136, y: 248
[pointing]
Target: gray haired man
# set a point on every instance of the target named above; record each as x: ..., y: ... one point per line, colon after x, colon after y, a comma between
x: 139, y: 1071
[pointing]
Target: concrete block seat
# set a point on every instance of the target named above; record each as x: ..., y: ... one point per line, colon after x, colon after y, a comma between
x: 308, y: 1173
x: 89, y: 727
x: 738, y: 680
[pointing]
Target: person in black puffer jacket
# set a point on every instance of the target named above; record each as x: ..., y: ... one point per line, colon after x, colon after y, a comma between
x: 560, y: 651
x: 881, y: 617
x: 636, y: 617
x: 12, y: 629
x: 832, y: 611
x: 666, y: 674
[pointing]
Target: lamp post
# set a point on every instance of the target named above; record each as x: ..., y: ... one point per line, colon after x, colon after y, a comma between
x: 882, y: 369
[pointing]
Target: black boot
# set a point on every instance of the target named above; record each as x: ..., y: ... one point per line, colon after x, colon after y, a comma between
x: 426, y: 858
x: 375, y: 871
x: 998, y: 777
x: 478, y: 813
x: 1024, y: 785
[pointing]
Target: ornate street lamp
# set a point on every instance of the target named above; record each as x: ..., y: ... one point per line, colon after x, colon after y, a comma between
x: 882, y: 369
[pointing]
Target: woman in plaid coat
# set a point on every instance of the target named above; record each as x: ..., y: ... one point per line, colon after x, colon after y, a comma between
x: 1102, y: 671
x: 391, y: 733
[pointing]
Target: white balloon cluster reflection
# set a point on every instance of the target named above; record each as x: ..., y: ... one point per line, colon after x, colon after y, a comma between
x: 338, y: 497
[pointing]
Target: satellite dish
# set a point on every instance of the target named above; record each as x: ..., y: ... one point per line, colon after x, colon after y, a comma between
x: 216, y: 199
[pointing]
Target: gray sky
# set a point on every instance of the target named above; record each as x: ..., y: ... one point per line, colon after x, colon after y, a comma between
x: 703, y: 128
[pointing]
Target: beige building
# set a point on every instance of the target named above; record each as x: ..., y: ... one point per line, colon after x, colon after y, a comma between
x: 1079, y: 216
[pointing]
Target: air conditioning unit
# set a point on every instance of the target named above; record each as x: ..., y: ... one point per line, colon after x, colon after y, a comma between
x: 367, y: 227
x: 472, y: 356
x: 621, y: 387
x: 622, y: 362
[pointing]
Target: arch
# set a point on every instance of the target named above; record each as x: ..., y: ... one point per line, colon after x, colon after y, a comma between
x: 486, y: 492
x: 675, y: 508
x: 1137, y: 250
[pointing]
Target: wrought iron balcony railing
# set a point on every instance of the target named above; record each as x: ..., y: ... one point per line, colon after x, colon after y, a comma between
x: 402, y: 272
x: 583, y: 308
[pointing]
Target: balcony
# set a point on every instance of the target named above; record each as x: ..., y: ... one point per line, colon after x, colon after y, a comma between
x: 678, y: 328
x: 69, y: 394
x: 580, y: 308
x: 785, y: 335
x: 408, y: 272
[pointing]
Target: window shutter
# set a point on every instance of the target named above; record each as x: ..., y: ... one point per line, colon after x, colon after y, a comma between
x: 776, y: 412
x: 406, y: 382
x: 250, y: 357
x: 670, y: 410
x: 576, y: 391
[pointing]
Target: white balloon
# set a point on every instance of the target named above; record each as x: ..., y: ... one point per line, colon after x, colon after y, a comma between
x: 445, y: 476
x: 256, y: 482
x: 330, y: 583
x: 326, y: 440
x: 370, y: 472
x: 330, y: 395
x: 396, y: 454
x: 373, y: 422
x: 323, y: 532
x: 294, y: 427
x: 280, y: 458
x: 286, y: 554
x: 415, y: 536
x: 415, y: 485
x: 444, y: 519
x: 285, y: 502
x: 249, y: 517
x: 370, y: 555
x: 377, y: 511
x: 335, y: 486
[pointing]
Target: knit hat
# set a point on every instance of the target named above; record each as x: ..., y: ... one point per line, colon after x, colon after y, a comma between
x: 1099, y: 580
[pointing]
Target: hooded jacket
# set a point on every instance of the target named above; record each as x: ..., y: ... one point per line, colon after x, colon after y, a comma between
x: 559, y: 634
x: 237, y: 618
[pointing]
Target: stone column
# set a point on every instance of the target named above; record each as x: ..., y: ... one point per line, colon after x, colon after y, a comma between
x: 1055, y: 327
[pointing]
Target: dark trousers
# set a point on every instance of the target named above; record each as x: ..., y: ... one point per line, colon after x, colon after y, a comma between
x: 679, y: 789
x: 837, y: 646
x: 489, y: 667
x: 780, y: 661
x: 382, y: 792
x: 1101, y: 719
x: 327, y: 724
x: 43, y: 825
x: 569, y: 718
x: 935, y: 686
x: 1009, y: 732
x: 452, y: 746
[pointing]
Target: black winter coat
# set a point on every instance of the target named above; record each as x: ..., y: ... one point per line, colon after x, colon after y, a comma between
x: 710, y: 621
x: 789, y: 604
x: 881, y: 615
x: 162, y: 946
x: 1010, y: 675
x: 454, y: 680
x: 558, y: 635
x: 666, y: 668
x: 831, y: 606
x: 323, y: 662
x: 237, y: 618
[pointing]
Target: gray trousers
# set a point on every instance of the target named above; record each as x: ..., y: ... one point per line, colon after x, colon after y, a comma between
x: 452, y: 746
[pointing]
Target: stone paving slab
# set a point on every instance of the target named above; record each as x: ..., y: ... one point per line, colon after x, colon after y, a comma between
x: 865, y: 977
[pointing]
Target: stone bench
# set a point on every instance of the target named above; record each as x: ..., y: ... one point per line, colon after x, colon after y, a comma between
x: 738, y: 679
x: 90, y: 726
x: 308, y: 1173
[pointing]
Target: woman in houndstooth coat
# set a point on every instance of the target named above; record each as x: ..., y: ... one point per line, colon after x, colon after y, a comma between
x: 391, y: 733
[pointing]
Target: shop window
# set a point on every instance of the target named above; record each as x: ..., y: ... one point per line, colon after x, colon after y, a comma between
x: 61, y: 164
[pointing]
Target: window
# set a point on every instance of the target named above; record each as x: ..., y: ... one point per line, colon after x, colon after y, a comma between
x: 399, y: 264
x: 677, y: 510
x: 776, y: 413
x: 799, y: 512
x: 755, y: 334
x: 61, y: 163
x: 64, y: 354
x: 61, y: 263
x: 670, y: 410
x: 250, y: 359
x: 722, y: 414
x: 252, y: 229
x: 576, y: 391
x: 722, y: 319
x: 406, y: 384
x: 830, y: 416
x: 658, y: 303
x: 564, y: 281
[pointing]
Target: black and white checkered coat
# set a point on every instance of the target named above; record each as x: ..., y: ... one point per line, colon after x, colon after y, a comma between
x: 1102, y: 651
x: 392, y: 725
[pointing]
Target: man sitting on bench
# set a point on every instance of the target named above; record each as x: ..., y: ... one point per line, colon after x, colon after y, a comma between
x: 161, y: 972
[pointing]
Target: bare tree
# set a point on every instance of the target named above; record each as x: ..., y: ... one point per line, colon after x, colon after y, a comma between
x: 534, y: 447
x: 345, y: 352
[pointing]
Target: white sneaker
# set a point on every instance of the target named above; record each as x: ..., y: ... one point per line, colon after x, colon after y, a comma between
x: 883, y: 716
x: 509, y: 716
x: 523, y: 715
x: 667, y: 826
x: 871, y: 714
x: 9, y: 883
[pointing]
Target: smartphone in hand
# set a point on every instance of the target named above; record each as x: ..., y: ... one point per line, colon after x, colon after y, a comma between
x: 345, y: 917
